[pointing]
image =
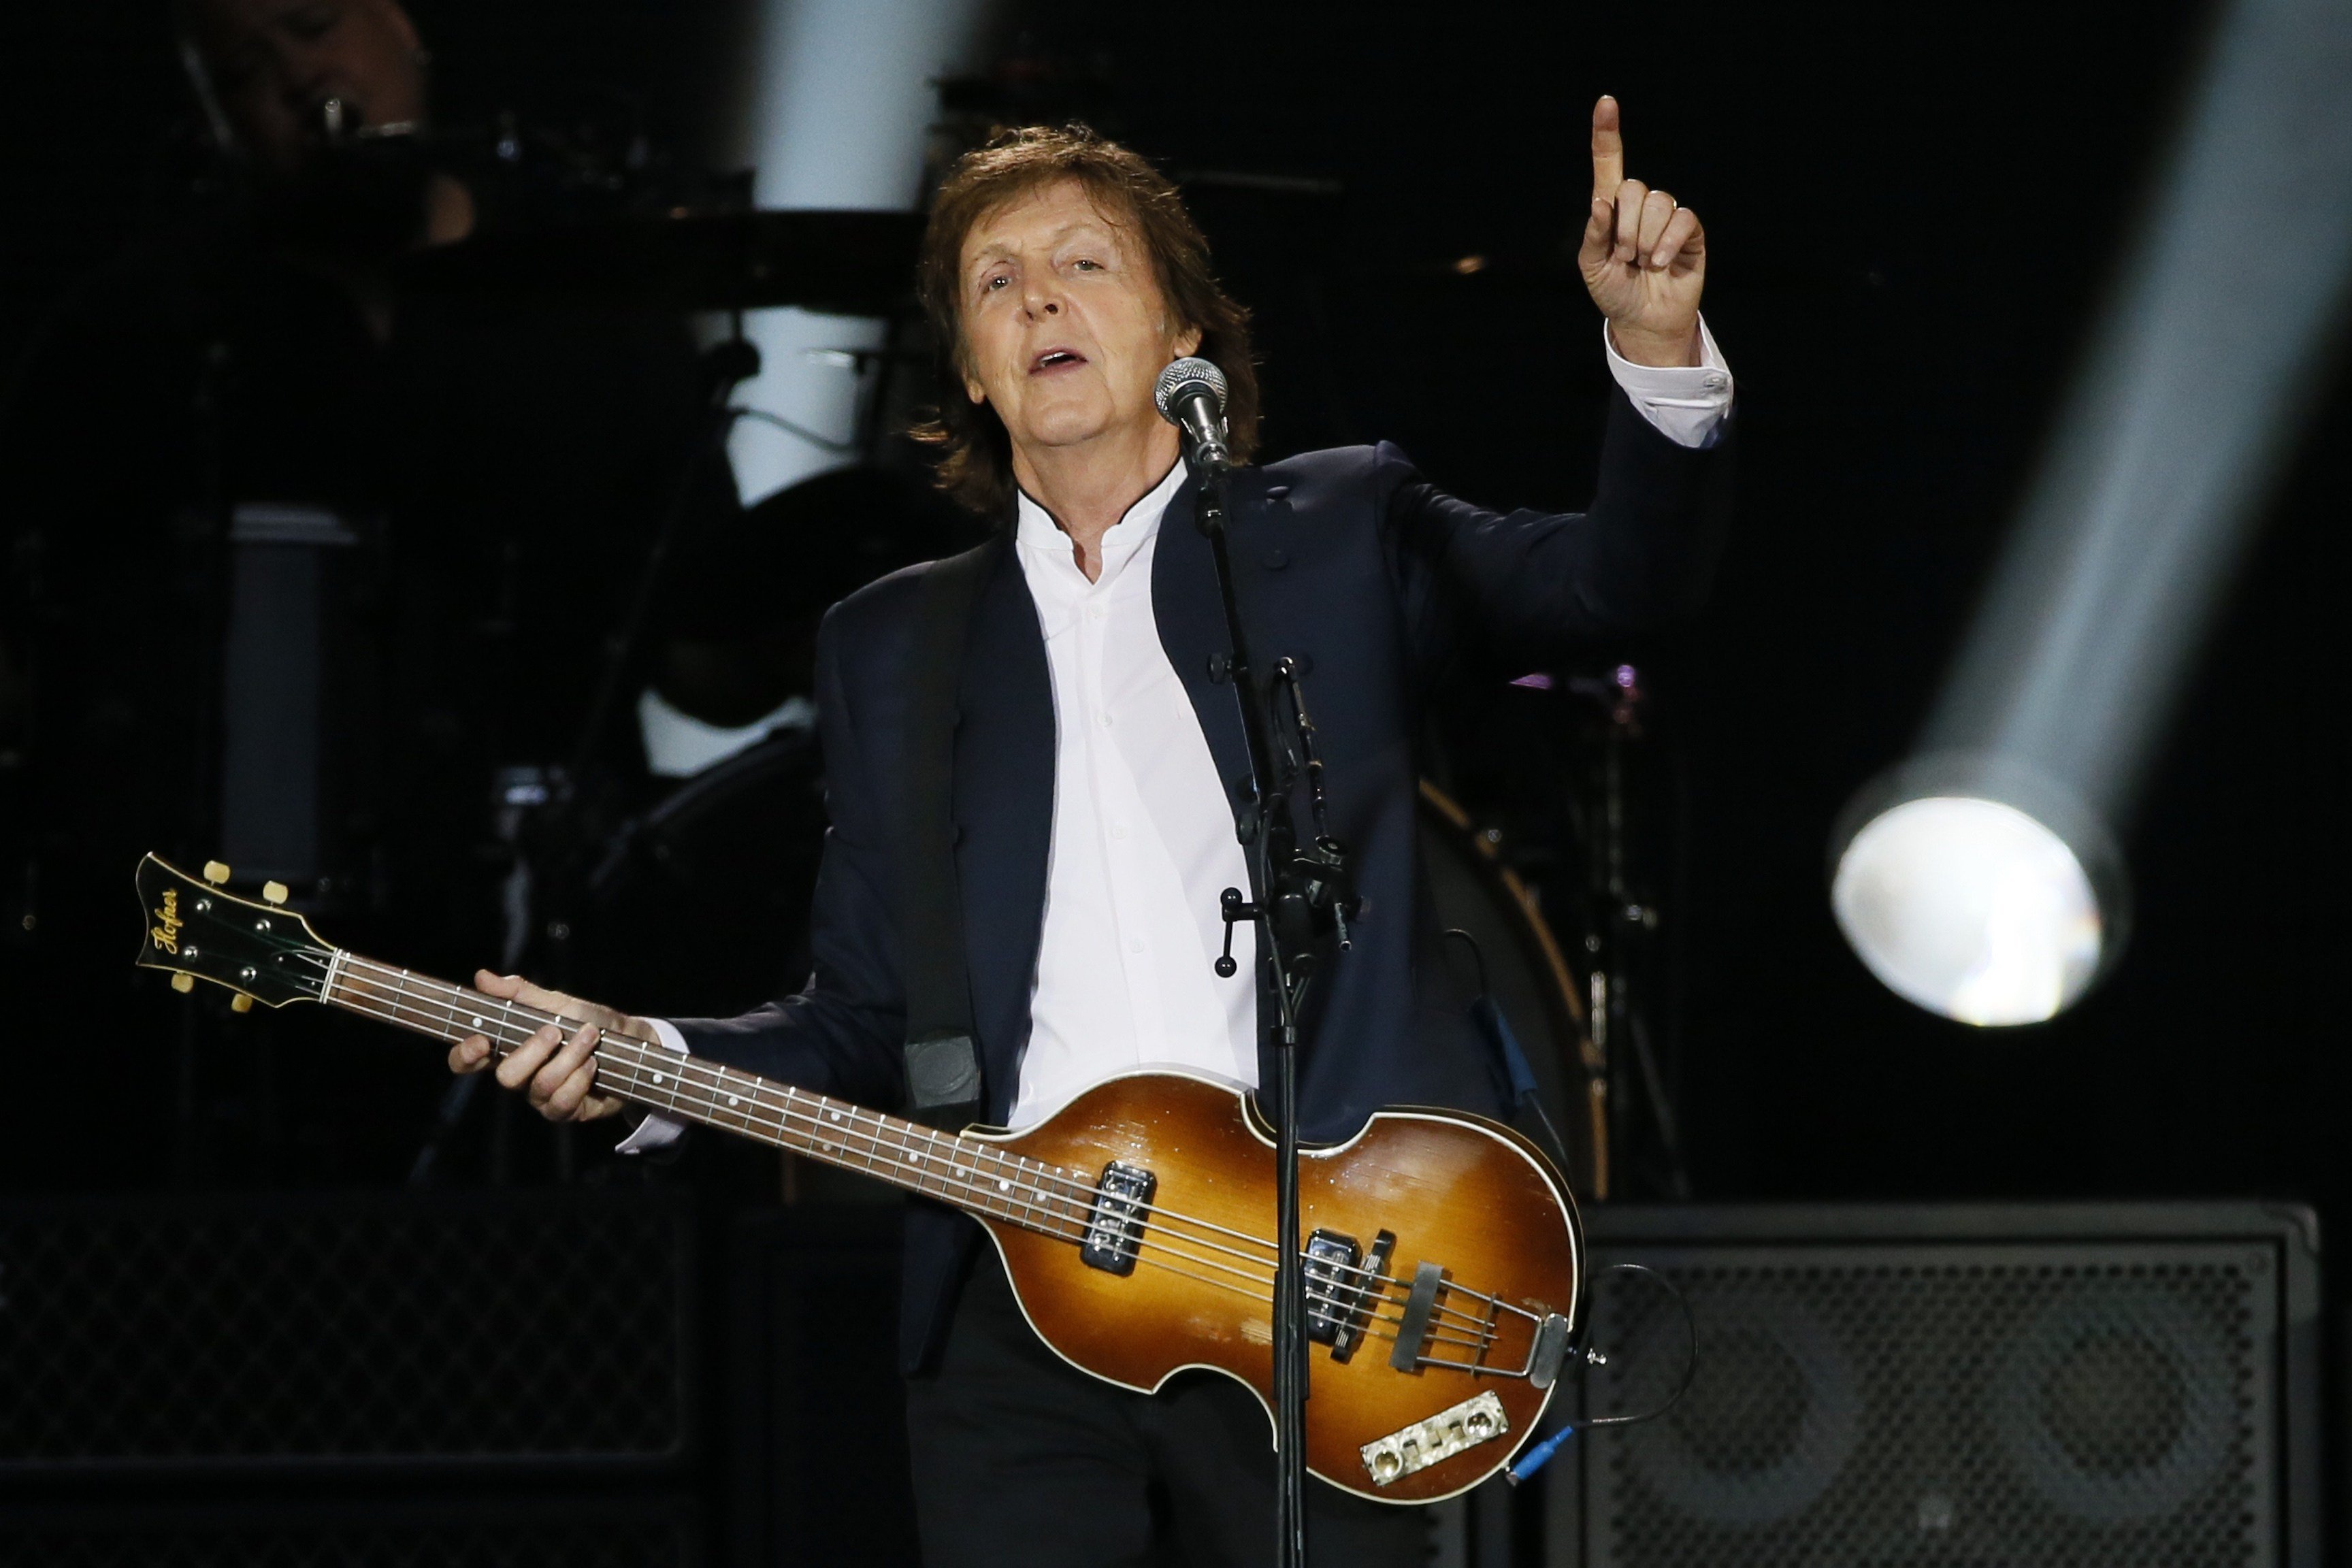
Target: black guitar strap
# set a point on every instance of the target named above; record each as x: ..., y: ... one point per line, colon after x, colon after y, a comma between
x: 943, y: 1087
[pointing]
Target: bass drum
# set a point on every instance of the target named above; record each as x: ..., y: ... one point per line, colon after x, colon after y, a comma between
x: 1528, y: 977
x: 700, y: 907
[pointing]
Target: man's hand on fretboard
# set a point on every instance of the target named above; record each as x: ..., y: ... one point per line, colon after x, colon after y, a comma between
x: 558, y: 1075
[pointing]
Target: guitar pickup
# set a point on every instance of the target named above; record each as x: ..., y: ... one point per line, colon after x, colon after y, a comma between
x: 1114, y: 1234
x: 1342, y: 1288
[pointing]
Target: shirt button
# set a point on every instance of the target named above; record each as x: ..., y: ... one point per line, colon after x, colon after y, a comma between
x: 1105, y: 719
x: 1119, y: 830
x: 1135, y: 944
x: 1094, y: 615
x: 1713, y: 380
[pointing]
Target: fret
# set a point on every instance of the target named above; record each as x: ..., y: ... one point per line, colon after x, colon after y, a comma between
x: 975, y: 1177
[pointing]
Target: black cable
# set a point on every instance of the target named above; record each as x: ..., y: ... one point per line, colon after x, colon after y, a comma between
x: 1534, y: 1458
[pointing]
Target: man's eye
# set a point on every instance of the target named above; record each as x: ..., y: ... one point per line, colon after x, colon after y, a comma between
x: 1088, y: 264
x: 995, y: 282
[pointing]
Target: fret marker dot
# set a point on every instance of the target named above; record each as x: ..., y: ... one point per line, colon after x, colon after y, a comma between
x: 658, y: 1078
x: 477, y: 1022
x: 733, y: 1100
x: 1003, y: 1186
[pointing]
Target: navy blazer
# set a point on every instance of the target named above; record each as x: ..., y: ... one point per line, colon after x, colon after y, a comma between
x: 1377, y: 583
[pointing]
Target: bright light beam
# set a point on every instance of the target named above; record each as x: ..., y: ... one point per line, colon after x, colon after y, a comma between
x: 2196, y: 384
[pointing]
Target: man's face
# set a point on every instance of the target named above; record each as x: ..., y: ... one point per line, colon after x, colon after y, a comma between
x: 1065, y: 329
x: 274, y: 62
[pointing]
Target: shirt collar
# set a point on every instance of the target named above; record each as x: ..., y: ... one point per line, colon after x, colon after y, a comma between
x: 1037, y: 531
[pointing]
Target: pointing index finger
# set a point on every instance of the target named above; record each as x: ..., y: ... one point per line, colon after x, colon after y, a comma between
x: 1608, y: 149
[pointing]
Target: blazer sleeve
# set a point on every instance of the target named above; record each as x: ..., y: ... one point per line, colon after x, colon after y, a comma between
x: 844, y: 1033
x: 1525, y: 585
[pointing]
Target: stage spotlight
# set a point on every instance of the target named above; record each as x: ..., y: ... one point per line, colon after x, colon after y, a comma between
x: 1978, y: 892
x: 1993, y: 895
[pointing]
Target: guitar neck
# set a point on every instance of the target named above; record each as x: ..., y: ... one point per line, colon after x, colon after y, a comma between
x: 974, y: 1175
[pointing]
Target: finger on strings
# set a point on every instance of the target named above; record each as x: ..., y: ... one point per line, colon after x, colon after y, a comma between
x: 1682, y: 244
x: 1631, y: 194
x: 1608, y: 149
x: 561, y: 1067
x: 567, y: 1101
x: 471, y: 1054
x: 1657, y: 211
x: 527, y: 1058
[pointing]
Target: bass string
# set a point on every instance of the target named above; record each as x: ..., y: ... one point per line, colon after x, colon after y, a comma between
x: 642, y: 1083
x: 402, y: 983
x: 1078, y: 1188
x: 845, y: 1135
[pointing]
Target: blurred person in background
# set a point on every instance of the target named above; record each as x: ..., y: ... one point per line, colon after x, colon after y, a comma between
x: 463, y: 490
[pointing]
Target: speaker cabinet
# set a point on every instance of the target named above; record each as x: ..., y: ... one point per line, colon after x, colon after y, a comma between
x: 445, y: 1531
x: 343, y: 1334
x: 2042, y: 1386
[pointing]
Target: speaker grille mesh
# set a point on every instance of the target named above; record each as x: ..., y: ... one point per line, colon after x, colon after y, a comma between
x: 1952, y: 1405
x: 351, y: 1330
x: 557, y: 1533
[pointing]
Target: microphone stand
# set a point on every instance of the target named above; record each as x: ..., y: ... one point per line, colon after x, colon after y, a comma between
x: 1301, y: 894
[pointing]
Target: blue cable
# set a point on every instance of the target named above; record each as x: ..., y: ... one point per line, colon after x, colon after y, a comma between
x: 1534, y: 1458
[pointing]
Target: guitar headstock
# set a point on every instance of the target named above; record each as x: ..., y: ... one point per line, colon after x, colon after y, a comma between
x: 199, y: 931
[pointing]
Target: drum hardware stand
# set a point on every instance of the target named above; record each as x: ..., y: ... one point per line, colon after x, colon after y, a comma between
x: 537, y: 809
x: 1303, y: 893
x: 1620, y: 920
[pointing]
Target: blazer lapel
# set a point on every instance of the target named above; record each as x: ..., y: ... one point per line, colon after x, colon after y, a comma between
x: 1005, y: 815
x: 1192, y: 617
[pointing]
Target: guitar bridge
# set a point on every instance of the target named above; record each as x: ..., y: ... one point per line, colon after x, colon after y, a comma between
x: 1114, y: 1233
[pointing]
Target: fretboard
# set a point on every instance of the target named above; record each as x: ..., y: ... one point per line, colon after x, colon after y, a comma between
x: 970, y: 1173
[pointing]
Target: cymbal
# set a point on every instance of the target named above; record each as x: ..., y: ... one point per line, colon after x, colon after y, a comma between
x: 846, y: 263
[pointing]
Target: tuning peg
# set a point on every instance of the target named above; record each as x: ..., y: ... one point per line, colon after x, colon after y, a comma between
x: 216, y: 873
x: 273, y: 892
x: 240, y: 1003
x: 183, y: 984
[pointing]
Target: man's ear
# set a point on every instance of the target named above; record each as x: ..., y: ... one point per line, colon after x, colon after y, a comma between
x: 1188, y: 342
x: 974, y: 391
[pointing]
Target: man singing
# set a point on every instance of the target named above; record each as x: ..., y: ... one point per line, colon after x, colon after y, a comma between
x: 1098, y: 765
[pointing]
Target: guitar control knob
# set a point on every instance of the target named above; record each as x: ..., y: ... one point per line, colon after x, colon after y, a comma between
x: 273, y: 892
x: 240, y: 1003
x: 215, y: 872
x: 183, y: 984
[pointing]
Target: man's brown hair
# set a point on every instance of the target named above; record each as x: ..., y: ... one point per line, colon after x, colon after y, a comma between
x: 976, y: 463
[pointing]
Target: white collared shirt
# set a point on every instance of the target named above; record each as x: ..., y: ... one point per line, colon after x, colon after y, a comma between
x: 1144, y: 837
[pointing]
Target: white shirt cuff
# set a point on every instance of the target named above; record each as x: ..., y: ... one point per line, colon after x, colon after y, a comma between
x: 656, y: 1130
x: 1687, y: 402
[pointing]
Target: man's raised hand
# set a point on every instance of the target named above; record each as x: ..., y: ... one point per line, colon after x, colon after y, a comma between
x: 556, y: 1072
x: 1643, y: 255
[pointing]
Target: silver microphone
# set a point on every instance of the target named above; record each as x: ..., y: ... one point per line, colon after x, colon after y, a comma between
x: 1190, y: 396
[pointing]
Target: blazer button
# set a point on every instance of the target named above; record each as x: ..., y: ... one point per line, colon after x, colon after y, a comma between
x: 1277, y: 492
x: 955, y: 833
x: 1276, y: 559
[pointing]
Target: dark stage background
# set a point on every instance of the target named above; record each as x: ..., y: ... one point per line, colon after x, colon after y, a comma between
x: 1913, y: 213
